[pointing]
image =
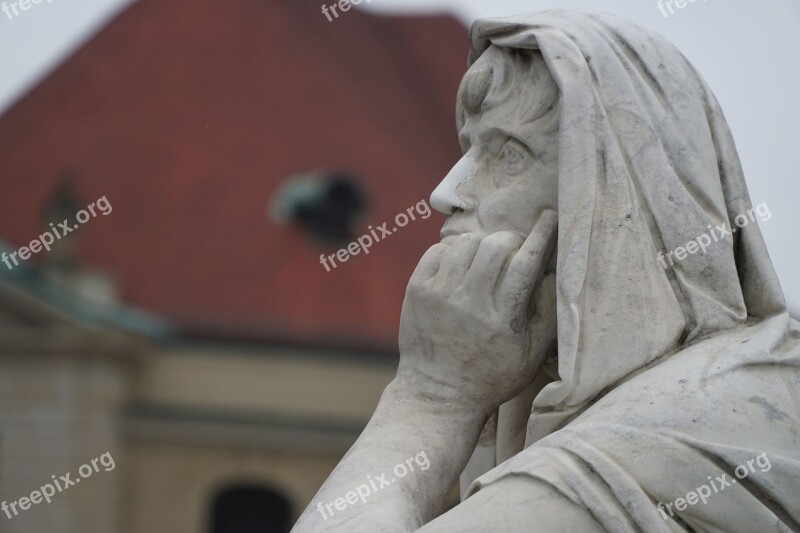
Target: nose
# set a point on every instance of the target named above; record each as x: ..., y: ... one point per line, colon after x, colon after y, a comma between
x: 444, y: 198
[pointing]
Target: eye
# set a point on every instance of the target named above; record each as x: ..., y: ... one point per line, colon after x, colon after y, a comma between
x: 513, y: 158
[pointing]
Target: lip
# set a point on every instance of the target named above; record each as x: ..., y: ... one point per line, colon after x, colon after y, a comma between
x: 449, y: 235
x: 454, y: 228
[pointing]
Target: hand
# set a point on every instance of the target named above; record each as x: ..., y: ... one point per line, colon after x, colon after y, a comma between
x: 473, y: 330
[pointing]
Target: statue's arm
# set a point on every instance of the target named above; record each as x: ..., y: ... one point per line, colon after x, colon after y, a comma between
x: 467, y: 344
x: 431, y: 440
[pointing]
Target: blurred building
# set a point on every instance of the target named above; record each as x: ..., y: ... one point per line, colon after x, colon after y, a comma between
x: 192, y: 331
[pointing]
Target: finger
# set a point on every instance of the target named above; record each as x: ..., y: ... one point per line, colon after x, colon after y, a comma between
x: 456, y: 261
x: 490, y: 260
x: 527, y: 266
x: 544, y: 300
x: 543, y: 328
x: 428, y: 266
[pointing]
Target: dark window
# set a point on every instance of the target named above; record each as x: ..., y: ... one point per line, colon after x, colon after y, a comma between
x: 326, y: 205
x: 250, y: 509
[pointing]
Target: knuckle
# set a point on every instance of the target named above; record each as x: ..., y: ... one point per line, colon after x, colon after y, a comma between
x: 462, y: 244
x: 418, y: 288
x: 468, y: 239
x: 435, y: 251
x: 432, y: 255
x: 502, y: 240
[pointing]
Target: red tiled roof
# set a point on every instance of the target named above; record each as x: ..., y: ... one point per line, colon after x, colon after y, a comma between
x: 189, y: 115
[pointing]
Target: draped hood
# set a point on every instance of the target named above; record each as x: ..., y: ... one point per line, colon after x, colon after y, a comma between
x: 647, y: 163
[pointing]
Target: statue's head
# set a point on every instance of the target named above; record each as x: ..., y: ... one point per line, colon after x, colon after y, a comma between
x: 507, y: 113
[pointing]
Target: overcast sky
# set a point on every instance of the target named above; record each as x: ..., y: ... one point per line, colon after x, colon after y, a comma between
x: 747, y: 51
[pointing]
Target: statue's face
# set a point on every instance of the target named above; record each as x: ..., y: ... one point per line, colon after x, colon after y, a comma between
x: 508, y: 174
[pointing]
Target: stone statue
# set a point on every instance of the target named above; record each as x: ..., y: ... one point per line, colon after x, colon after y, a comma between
x: 624, y: 392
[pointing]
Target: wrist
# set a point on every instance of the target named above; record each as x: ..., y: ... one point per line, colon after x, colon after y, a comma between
x: 430, y: 396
